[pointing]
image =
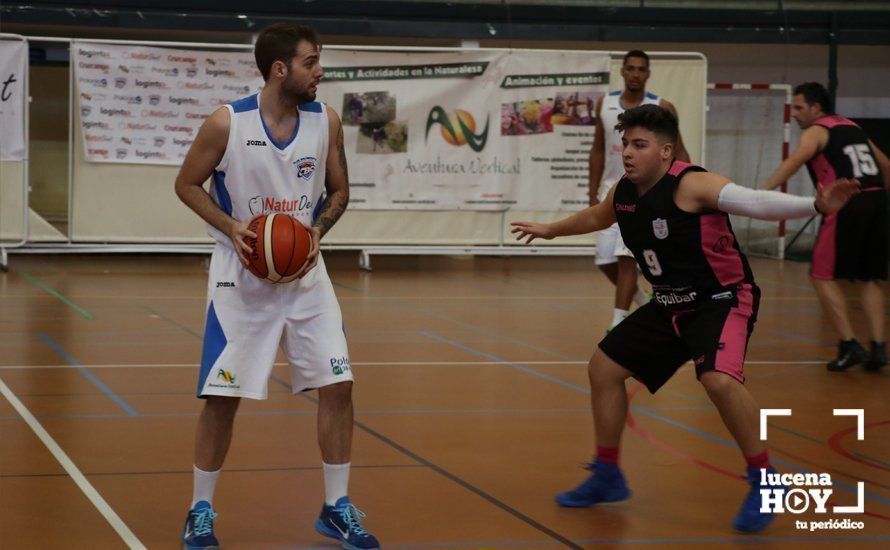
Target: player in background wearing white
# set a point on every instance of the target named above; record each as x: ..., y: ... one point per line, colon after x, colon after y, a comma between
x: 277, y: 150
x: 606, y: 168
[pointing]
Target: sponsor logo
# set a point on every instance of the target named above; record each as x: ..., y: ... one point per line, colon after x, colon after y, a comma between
x: 256, y: 142
x: 94, y: 66
x: 340, y: 365
x: 305, y: 167
x: 457, y: 128
x: 248, y: 62
x: 158, y: 114
x: 225, y: 376
x: 98, y: 152
x: 123, y: 68
x: 219, y: 101
x: 182, y: 129
x: 154, y: 99
x: 150, y: 154
x: 115, y: 112
x: 130, y: 99
x: 181, y: 59
x: 722, y: 244
x: 137, y: 126
x: 267, y: 205
x: 191, y: 72
x: 125, y: 139
x: 173, y: 71
x: 92, y: 138
x: 625, y: 207
x: 143, y: 56
x: 100, y: 82
x: 660, y: 228
x: 237, y: 89
x: 86, y: 111
x: 159, y: 141
x: 225, y: 284
x: 182, y: 142
x: 195, y: 86
x: 93, y: 53
x: 151, y: 84
x: 121, y: 153
x: 215, y: 73
x: 200, y: 116
x: 120, y: 82
x: 183, y: 100
x: 87, y: 125
x: 673, y: 298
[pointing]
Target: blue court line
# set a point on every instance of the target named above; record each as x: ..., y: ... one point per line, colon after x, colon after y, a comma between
x: 804, y: 339
x: 649, y: 413
x: 522, y: 368
x: 87, y: 374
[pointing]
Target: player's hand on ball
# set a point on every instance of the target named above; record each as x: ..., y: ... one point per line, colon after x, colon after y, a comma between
x: 831, y: 199
x: 239, y: 233
x: 531, y: 231
x: 312, y: 258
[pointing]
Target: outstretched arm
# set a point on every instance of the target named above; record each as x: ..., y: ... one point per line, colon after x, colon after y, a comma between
x: 812, y: 140
x: 592, y: 218
x: 703, y: 191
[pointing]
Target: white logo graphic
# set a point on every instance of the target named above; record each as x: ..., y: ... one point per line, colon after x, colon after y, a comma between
x: 660, y: 228
x: 799, y: 492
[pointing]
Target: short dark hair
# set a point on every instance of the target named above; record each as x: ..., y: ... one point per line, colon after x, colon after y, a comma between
x: 813, y: 92
x: 279, y: 42
x: 636, y: 53
x: 651, y: 117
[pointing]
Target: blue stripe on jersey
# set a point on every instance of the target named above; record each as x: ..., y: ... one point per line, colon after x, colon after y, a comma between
x: 616, y: 92
x: 214, y: 343
x: 280, y: 146
x: 650, y: 95
x: 222, y: 194
x: 313, y: 107
x: 245, y: 104
x: 318, y: 207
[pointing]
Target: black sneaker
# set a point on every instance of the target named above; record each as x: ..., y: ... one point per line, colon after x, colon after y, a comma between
x: 849, y: 353
x: 878, y: 357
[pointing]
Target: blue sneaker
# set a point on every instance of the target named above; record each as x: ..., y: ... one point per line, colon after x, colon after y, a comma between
x: 342, y: 522
x: 605, y: 484
x: 750, y: 519
x: 198, y: 531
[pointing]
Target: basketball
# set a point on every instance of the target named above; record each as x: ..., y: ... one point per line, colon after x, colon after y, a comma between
x: 280, y: 248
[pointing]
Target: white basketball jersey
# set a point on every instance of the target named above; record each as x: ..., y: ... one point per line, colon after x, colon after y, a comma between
x: 614, y: 166
x: 259, y: 176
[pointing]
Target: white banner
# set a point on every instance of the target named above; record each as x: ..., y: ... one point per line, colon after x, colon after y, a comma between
x: 466, y: 130
x: 481, y: 130
x: 145, y: 105
x: 13, y: 64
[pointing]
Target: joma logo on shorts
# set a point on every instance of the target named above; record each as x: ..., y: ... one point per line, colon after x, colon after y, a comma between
x: 226, y: 376
x: 340, y: 365
x: 225, y: 284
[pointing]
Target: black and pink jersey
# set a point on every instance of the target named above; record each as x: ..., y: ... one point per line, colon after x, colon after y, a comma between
x: 847, y: 155
x: 689, y: 258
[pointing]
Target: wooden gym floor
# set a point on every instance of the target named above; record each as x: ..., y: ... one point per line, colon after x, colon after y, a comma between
x: 472, y: 411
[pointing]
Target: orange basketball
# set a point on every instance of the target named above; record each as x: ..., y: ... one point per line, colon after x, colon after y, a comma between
x: 280, y: 249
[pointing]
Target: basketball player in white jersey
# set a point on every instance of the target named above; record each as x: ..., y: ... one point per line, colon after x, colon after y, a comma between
x: 606, y: 168
x: 276, y: 151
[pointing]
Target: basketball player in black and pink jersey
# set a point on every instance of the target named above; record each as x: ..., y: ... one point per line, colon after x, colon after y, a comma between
x: 851, y: 244
x: 674, y: 218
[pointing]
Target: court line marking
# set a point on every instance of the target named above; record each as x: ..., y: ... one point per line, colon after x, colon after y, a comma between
x: 450, y: 476
x: 87, y: 374
x: 49, y: 290
x: 91, y: 493
x: 359, y: 363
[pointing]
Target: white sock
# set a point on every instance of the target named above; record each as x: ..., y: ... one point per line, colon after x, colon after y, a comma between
x: 205, y: 484
x: 641, y: 297
x: 336, y: 482
x: 618, y: 315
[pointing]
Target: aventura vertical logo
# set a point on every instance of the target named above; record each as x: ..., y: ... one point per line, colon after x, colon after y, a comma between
x: 457, y: 128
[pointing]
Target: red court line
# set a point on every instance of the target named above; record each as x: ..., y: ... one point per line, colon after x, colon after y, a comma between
x: 834, y: 442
